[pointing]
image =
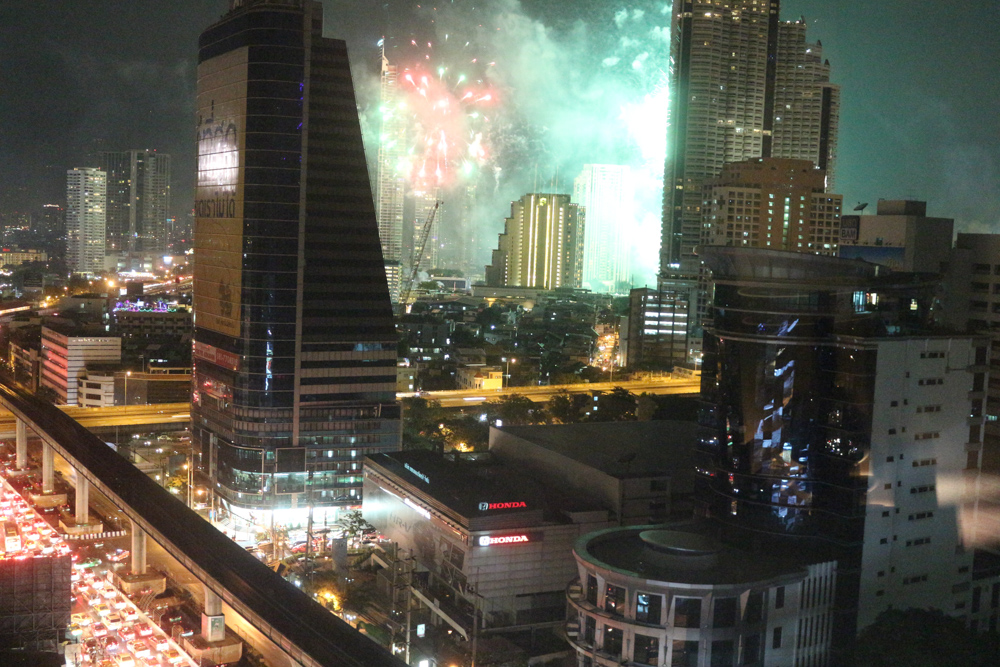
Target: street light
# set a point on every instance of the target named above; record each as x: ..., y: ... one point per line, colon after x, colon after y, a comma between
x: 507, y: 373
x: 127, y: 375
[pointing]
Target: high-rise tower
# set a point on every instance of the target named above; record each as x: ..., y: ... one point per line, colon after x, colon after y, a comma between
x: 390, y: 184
x: 295, y: 348
x: 605, y: 191
x: 86, y: 211
x: 743, y: 86
x: 138, y: 200
x: 541, y: 245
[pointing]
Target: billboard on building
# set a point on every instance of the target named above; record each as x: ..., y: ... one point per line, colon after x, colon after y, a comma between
x: 218, y: 225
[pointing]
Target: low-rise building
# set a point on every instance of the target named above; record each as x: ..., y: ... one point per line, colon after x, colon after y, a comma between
x: 66, y: 350
x: 487, y: 378
x: 655, y: 595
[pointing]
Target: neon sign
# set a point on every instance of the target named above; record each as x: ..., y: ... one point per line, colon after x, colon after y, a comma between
x: 519, y: 504
x: 486, y: 540
x: 416, y: 472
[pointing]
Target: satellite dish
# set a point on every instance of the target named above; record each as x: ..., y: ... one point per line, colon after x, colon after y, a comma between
x: 861, y: 207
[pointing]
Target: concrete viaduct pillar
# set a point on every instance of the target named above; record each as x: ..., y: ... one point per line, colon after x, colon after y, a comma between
x: 48, y: 468
x: 82, y: 499
x: 21, y: 433
x: 213, y: 623
x: 138, y: 549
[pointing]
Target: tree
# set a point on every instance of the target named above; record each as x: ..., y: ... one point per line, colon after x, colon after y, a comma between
x: 618, y: 405
x: 422, y: 421
x: 923, y: 638
x: 512, y: 410
x: 466, y: 433
x: 566, y: 408
x: 355, y: 525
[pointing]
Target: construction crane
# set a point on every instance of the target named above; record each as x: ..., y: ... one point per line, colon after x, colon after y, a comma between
x: 418, y: 254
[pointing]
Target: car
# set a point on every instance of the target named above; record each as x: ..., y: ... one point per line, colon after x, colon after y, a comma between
x: 162, y: 644
x: 173, y: 657
x: 117, y: 556
x: 91, y: 645
x: 121, y: 604
x: 130, y: 614
x: 74, y: 630
x: 88, y: 563
x: 124, y: 660
x: 143, y: 629
x: 102, y: 609
x: 83, y: 620
x: 127, y: 633
x: 98, y: 629
x: 113, y: 620
x: 139, y: 648
x: 111, y: 644
x: 109, y: 593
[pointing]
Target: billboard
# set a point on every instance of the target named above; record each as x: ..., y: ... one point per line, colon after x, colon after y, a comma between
x: 218, y: 206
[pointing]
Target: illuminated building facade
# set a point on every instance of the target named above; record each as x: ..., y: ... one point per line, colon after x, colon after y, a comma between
x: 478, y: 526
x: 138, y: 200
x: 391, y: 186
x: 836, y: 414
x: 541, y: 245
x: 86, y: 214
x: 294, y: 344
x: 605, y: 192
x: 736, y: 71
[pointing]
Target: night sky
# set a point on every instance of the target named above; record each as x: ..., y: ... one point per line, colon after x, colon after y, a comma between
x: 919, y: 117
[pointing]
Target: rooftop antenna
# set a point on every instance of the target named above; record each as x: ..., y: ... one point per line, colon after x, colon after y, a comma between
x: 861, y: 207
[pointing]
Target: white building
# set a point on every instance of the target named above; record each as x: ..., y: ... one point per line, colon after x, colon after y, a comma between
x: 65, y: 356
x: 654, y: 596
x: 606, y: 191
x: 86, y: 211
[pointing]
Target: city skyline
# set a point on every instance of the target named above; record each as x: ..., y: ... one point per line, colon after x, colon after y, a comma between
x: 907, y: 130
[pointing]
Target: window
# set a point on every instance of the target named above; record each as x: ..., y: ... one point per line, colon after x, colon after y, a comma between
x: 687, y: 612
x: 685, y: 653
x: 914, y: 580
x: 592, y: 589
x: 927, y: 435
x: 755, y: 607
x: 926, y: 382
x: 917, y: 542
x: 722, y: 653
x: 647, y: 650
x: 589, y: 630
x: 922, y: 489
x: 779, y: 597
x: 751, y: 649
x: 647, y: 608
x: 724, y: 613
x: 921, y: 515
x: 612, y: 641
x: 919, y: 463
x: 614, y: 599
x: 776, y: 638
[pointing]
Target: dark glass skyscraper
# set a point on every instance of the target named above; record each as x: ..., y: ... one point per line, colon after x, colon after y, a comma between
x: 295, y: 347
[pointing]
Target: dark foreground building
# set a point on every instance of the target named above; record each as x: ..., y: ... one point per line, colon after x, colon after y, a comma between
x: 294, y: 344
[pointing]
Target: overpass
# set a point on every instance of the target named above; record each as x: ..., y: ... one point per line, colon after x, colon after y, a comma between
x: 308, y: 634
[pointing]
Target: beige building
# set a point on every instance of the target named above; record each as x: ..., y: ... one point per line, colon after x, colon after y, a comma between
x: 479, y: 377
x: 775, y: 203
x: 541, y: 245
x: 900, y: 236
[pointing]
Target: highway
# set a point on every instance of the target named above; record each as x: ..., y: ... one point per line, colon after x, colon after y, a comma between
x: 123, y: 415
x: 469, y: 397
x: 180, y: 413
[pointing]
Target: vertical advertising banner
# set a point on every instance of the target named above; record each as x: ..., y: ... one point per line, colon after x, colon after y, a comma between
x: 218, y: 224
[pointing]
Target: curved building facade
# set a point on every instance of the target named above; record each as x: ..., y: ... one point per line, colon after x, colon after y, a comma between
x: 652, y: 595
x: 295, y: 348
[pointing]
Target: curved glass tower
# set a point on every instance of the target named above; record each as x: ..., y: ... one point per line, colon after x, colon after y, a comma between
x: 789, y: 384
x: 294, y: 345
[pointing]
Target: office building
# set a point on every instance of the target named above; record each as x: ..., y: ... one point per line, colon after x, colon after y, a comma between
x: 736, y: 70
x: 838, y: 414
x: 478, y: 528
x: 390, y: 183
x: 86, y: 212
x: 899, y: 236
x: 541, y: 245
x: 65, y: 352
x: 605, y: 192
x: 294, y: 344
x: 138, y: 201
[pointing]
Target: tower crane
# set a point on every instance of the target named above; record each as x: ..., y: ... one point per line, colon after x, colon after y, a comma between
x: 418, y: 254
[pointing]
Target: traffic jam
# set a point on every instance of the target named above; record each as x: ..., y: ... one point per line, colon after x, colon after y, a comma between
x: 106, y: 628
